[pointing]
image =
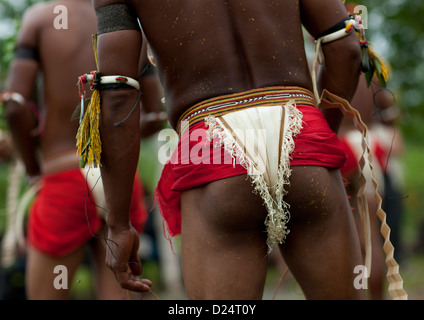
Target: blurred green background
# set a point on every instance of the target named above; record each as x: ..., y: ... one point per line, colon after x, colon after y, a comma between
x: 395, y: 28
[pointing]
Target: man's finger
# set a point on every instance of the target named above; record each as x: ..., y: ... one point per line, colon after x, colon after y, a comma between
x: 131, y: 282
x: 135, y: 268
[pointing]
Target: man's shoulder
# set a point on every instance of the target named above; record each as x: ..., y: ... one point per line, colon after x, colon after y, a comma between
x: 42, y: 14
x: 39, y: 8
x: 37, y: 13
x: 43, y: 11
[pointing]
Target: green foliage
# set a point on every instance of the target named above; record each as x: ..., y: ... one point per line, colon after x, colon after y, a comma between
x: 11, y: 13
x: 413, y: 193
x: 6, y: 56
x: 3, y: 124
x: 399, y: 22
x: 7, y: 48
x: 4, y: 176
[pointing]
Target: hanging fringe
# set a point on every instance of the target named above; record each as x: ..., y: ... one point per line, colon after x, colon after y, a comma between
x: 89, y: 146
x: 278, y: 210
x: 372, y: 64
x: 378, y: 67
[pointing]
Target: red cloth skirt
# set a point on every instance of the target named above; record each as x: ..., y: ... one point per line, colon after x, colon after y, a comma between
x: 316, y: 145
x: 62, y: 216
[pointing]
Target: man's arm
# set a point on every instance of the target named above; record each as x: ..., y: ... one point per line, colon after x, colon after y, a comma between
x: 118, y: 54
x: 340, y: 71
x: 21, y: 79
x: 152, y: 114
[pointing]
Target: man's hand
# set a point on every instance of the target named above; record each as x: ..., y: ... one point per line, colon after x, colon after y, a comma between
x: 122, y: 259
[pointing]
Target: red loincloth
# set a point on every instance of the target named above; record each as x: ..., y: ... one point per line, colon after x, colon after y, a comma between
x: 351, y: 166
x: 62, y: 217
x: 316, y: 145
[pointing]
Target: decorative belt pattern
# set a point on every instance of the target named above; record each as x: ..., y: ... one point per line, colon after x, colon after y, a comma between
x: 221, y: 105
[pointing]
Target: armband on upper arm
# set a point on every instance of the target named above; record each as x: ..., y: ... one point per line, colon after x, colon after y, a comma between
x: 116, y: 17
x: 338, y: 31
x: 26, y: 52
x: 6, y: 96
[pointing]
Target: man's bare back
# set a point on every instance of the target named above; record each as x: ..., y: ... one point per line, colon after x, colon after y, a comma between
x: 64, y: 54
x: 232, y: 47
x: 53, y: 49
x: 211, y: 49
x: 206, y: 50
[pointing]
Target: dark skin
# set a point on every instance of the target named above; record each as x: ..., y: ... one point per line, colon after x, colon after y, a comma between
x: 58, y: 99
x: 206, y: 50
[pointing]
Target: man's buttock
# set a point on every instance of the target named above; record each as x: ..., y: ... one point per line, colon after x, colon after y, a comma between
x: 262, y: 132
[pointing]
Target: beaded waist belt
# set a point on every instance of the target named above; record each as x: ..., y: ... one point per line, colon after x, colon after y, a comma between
x: 221, y: 105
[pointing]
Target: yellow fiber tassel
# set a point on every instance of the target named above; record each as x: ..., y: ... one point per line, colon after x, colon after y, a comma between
x: 94, y: 43
x: 382, y: 67
x: 89, y: 145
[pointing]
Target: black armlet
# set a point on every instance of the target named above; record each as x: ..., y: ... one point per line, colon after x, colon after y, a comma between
x: 25, y: 52
x: 116, y: 17
x: 336, y: 27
